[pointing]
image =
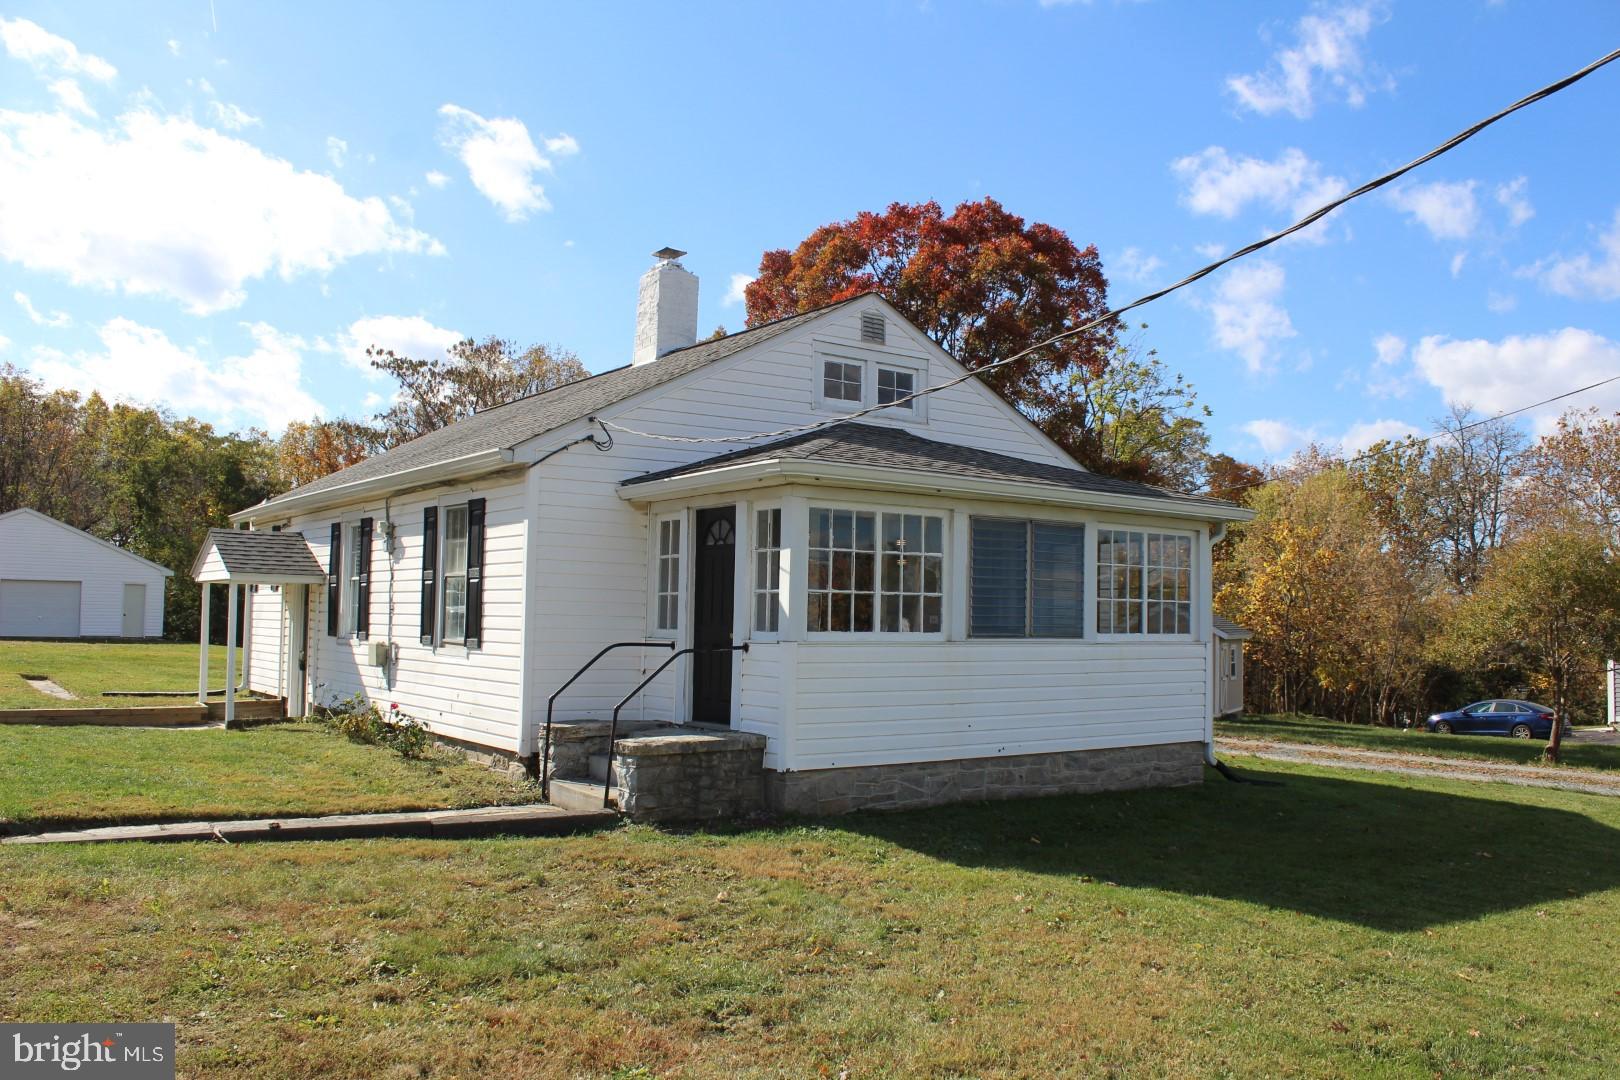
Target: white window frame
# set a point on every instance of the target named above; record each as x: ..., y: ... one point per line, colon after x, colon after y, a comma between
x: 1093, y: 548
x: 678, y: 574
x: 877, y: 632
x: 870, y: 359
x: 1087, y: 584
x: 910, y: 407
x: 349, y: 601
x: 443, y: 575
x: 840, y: 404
x: 767, y: 586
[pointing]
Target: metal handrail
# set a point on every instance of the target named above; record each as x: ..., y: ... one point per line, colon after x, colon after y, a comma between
x: 613, y: 729
x: 551, y: 703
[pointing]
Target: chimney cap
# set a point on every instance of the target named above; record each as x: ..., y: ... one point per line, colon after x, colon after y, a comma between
x: 668, y: 253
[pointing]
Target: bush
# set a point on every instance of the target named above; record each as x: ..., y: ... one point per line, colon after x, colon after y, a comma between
x: 360, y: 721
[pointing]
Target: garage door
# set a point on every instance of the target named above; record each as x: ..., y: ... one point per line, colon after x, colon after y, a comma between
x: 39, y: 609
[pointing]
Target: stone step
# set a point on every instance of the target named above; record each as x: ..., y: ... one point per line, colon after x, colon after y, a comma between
x: 580, y: 794
x: 601, y: 766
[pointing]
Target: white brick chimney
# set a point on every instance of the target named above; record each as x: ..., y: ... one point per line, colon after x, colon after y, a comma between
x: 666, y: 309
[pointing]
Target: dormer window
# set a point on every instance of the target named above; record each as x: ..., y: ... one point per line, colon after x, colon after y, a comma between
x: 841, y: 381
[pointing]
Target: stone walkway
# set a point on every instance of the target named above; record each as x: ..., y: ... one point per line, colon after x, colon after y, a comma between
x: 531, y: 819
x: 1590, y: 781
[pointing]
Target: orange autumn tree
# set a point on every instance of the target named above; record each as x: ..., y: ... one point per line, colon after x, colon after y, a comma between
x: 980, y: 282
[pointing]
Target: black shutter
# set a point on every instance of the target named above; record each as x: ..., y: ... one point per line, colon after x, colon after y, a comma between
x: 362, y: 616
x: 475, y: 572
x: 334, y: 567
x: 430, y: 564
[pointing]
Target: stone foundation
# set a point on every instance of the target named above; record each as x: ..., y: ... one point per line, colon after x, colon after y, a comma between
x: 908, y: 786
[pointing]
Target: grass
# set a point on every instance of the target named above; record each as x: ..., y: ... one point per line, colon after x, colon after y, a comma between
x: 89, y: 669
x: 1315, y: 729
x: 1341, y: 925
x: 80, y: 777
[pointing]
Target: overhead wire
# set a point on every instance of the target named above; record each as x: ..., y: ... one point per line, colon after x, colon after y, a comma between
x: 1197, y: 275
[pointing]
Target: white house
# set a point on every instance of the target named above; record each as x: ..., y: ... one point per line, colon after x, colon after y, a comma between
x: 935, y: 600
x: 1229, y: 639
x: 60, y: 582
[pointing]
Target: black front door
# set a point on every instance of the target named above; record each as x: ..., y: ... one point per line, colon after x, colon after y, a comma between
x: 712, y: 613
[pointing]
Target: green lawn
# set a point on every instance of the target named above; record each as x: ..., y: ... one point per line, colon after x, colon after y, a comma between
x: 1341, y: 925
x: 1315, y: 729
x: 90, y: 669
x: 68, y: 777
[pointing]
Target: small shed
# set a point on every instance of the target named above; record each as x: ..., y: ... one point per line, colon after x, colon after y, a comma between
x: 1229, y: 639
x: 60, y: 582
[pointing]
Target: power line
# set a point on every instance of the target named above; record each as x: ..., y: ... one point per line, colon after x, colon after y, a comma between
x: 1303, y: 223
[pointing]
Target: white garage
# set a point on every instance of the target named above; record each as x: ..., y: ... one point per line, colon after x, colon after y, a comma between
x: 60, y: 582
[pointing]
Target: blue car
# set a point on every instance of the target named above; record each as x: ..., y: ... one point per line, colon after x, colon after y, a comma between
x: 1516, y: 719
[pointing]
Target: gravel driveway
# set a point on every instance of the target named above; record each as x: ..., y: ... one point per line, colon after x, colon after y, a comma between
x: 1552, y: 776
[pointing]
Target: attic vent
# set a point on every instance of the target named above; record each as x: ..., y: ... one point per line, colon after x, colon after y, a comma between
x: 872, y: 327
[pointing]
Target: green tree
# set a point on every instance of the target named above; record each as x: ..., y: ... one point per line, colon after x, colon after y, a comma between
x: 1548, y: 602
x: 1138, y: 421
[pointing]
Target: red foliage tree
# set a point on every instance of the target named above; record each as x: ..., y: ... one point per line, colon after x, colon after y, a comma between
x: 980, y: 282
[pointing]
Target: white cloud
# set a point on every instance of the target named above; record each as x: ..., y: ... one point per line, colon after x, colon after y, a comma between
x: 194, y: 214
x: 436, y: 179
x: 1514, y: 199
x: 501, y: 158
x: 174, y: 47
x: 1248, y: 319
x: 407, y: 335
x: 1457, y: 261
x: 1224, y: 185
x: 1447, y: 209
x: 1134, y: 265
x: 37, y: 317
x: 1387, y: 378
x: 232, y: 117
x: 337, y: 150
x: 1325, y: 60
x: 36, y: 46
x: 1360, y: 436
x: 1499, y: 376
x: 1210, y: 250
x: 1388, y: 349
x: 1277, y: 436
x: 71, y: 96
x: 737, y: 294
x: 1584, y: 277
x: 263, y: 388
x: 1501, y: 303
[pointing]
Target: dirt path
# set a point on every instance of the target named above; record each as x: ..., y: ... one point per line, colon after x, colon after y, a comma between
x: 1587, y: 780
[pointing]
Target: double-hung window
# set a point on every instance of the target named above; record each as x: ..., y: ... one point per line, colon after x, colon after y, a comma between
x: 1144, y: 582
x: 767, y: 570
x: 668, y: 615
x: 1026, y: 579
x: 351, y: 578
x: 876, y: 572
x: 453, y: 575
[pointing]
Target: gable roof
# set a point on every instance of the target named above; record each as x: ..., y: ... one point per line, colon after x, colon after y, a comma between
x: 1228, y: 629
x: 23, y: 511
x: 505, y: 426
x: 855, y: 443
x: 280, y: 556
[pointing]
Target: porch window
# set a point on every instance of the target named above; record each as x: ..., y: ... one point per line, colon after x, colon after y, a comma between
x: 875, y: 572
x: 351, y: 578
x: 669, y: 574
x: 454, y: 574
x: 1144, y: 582
x: 767, y: 570
x: 1027, y: 579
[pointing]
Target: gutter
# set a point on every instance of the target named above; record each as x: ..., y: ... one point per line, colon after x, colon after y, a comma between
x: 295, y: 502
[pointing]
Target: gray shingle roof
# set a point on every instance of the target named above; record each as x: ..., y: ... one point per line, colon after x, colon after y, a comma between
x: 1223, y: 625
x: 505, y: 426
x: 854, y: 443
x: 266, y: 554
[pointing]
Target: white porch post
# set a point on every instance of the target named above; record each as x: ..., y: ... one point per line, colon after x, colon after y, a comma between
x: 247, y: 634
x: 230, y: 655
x: 202, y: 655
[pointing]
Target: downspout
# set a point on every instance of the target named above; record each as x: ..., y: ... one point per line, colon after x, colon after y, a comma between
x: 1210, y: 759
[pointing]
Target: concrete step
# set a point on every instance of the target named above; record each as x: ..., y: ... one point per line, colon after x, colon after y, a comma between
x: 579, y: 794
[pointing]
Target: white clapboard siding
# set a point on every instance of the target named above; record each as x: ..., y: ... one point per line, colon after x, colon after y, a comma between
x: 267, y: 642
x: 857, y: 704
x: 469, y: 694
x: 34, y: 547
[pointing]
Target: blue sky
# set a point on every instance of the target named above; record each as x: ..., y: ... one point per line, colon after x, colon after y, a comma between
x: 217, y: 206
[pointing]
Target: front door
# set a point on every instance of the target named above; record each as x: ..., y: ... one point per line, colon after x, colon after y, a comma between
x: 713, y: 585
